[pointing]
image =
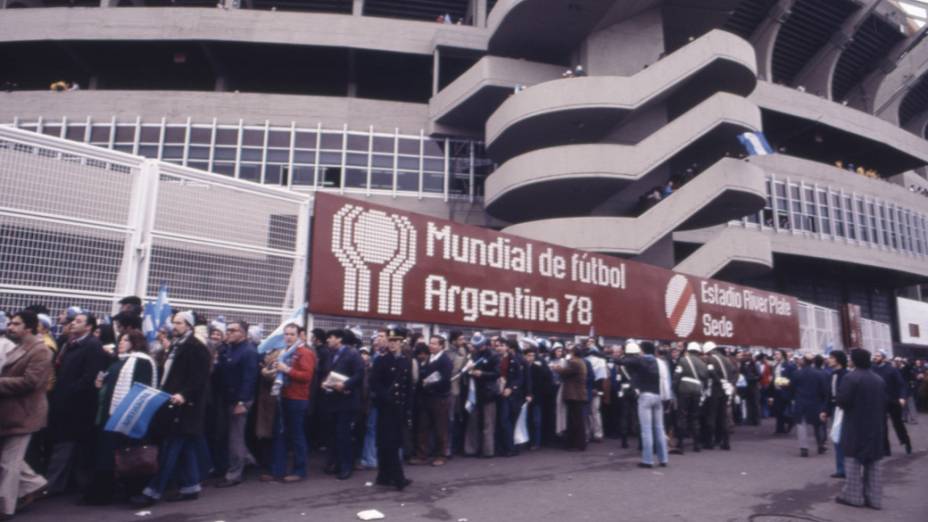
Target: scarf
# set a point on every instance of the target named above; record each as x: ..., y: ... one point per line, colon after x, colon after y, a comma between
x: 281, y: 379
x: 175, y: 347
x: 126, y: 377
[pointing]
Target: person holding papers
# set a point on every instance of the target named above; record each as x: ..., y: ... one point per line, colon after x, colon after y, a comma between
x: 435, y: 408
x: 181, y: 420
x: 341, y: 398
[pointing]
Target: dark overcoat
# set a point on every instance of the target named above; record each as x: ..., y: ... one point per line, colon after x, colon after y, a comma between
x: 73, y: 401
x: 392, y: 389
x: 188, y: 376
x: 862, y: 396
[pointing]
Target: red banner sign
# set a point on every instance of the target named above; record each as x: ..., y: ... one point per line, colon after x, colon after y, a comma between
x: 379, y: 262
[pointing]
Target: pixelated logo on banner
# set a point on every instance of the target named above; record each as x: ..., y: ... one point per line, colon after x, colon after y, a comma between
x: 371, y: 241
x: 680, y: 305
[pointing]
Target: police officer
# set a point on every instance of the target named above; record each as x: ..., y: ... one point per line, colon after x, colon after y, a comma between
x: 723, y: 376
x: 626, y: 394
x: 689, y: 380
x: 391, y: 384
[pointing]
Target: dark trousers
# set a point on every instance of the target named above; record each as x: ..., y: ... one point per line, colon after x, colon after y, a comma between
x: 433, y: 421
x: 534, y: 424
x: 717, y: 421
x: 781, y: 410
x: 688, y: 419
x: 507, y: 413
x: 752, y: 399
x: 628, y: 415
x: 289, y: 434
x: 389, y: 433
x: 576, y: 425
x: 894, y: 412
x: 339, y: 444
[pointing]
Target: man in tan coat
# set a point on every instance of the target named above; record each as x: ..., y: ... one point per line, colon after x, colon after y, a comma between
x: 23, y: 408
x: 573, y: 377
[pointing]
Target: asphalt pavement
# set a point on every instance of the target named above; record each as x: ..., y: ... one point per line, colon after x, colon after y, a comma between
x: 763, y: 479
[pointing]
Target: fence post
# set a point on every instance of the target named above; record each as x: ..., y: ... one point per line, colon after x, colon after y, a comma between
x: 150, y: 176
x: 132, y: 253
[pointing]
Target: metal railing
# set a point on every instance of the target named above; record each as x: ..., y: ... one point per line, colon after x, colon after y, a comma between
x: 82, y: 225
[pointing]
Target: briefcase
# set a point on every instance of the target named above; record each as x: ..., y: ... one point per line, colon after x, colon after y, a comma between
x: 136, y: 462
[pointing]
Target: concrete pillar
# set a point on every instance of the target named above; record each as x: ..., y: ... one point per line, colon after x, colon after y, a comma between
x: 222, y: 85
x: 436, y: 70
x: 357, y: 7
x: 352, y: 73
x: 480, y: 13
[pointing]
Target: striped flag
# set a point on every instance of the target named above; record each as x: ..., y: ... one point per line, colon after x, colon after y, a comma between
x: 156, y: 315
x: 135, y: 411
x: 276, y: 339
x: 755, y: 143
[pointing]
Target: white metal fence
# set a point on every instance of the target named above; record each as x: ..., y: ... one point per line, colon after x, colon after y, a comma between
x: 82, y: 225
x: 820, y: 330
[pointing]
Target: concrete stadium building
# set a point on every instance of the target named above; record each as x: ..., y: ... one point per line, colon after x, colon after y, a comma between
x: 460, y: 109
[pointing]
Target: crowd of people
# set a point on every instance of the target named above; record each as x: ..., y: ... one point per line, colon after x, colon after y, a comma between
x: 399, y: 398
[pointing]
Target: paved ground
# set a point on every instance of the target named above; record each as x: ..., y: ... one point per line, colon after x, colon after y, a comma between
x: 761, y: 480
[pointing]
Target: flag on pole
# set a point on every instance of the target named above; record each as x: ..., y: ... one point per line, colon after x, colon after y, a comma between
x: 276, y: 339
x: 136, y: 410
x: 755, y: 143
x: 156, y: 315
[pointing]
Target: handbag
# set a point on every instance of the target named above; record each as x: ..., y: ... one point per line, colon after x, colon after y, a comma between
x: 837, y: 425
x: 136, y: 462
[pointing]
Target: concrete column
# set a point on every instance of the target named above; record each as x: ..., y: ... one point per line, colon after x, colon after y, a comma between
x: 765, y: 37
x: 357, y: 7
x: 352, y: 73
x: 480, y: 12
x: 221, y: 84
x: 817, y: 75
x: 436, y: 70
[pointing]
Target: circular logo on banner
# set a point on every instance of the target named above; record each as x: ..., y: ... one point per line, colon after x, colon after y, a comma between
x: 680, y: 305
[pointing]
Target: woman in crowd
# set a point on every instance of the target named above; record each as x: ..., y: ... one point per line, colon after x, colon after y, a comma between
x: 132, y: 364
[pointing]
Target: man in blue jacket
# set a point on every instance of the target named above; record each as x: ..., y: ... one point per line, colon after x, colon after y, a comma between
x: 237, y: 367
x: 895, y: 397
x: 341, y: 400
x: 810, y: 400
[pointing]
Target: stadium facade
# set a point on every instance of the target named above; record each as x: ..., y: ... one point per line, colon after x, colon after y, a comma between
x: 461, y: 109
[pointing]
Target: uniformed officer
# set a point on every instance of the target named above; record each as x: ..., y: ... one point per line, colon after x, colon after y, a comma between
x: 723, y: 376
x: 391, y: 384
x: 689, y: 380
x: 626, y: 394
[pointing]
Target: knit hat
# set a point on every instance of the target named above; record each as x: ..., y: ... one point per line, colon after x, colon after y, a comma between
x: 45, y: 320
x: 72, y: 312
x: 187, y: 316
x: 478, y: 340
x: 218, y: 324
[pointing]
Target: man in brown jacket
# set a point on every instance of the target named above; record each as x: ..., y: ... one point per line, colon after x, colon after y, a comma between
x: 573, y: 377
x: 23, y: 408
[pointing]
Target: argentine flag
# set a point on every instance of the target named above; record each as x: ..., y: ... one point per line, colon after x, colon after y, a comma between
x: 135, y: 411
x: 755, y: 143
x: 156, y: 315
x: 276, y: 339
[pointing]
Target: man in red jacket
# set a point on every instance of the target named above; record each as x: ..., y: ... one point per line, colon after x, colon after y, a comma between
x: 295, y: 366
